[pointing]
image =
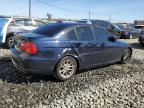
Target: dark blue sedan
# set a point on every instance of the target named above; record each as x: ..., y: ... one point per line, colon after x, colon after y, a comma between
x: 62, y: 49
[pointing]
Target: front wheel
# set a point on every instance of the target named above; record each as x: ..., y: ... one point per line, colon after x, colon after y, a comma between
x: 65, y: 69
x: 126, y: 56
x: 10, y: 42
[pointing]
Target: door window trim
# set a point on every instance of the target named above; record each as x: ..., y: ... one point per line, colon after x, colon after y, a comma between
x: 68, y: 30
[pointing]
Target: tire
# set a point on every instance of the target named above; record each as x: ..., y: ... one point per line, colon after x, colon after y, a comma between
x: 65, y: 69
x: 10, y: 42
x: 126, y: 56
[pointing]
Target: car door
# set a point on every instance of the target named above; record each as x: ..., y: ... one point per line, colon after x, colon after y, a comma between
x: 84, y: 44
x: 109, y: 51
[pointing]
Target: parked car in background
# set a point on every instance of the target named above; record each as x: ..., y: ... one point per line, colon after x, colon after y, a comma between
x: 103, y: 24
x: 127, y: 32
x: 139, y: 24
x: 11, y: 25
x: 62, y: 49
x: 141, y: 38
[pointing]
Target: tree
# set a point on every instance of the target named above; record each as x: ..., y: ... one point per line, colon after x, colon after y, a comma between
x: 49, y: 15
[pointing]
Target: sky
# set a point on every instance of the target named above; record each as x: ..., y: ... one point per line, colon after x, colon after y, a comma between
x: 116, y: 10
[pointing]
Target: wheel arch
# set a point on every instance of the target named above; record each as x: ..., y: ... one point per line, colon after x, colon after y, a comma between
x: 131, y: 50
x: 9, y: 34
x: 69, y: 55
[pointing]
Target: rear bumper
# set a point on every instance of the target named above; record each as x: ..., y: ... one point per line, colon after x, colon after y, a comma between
x: 35, y: 65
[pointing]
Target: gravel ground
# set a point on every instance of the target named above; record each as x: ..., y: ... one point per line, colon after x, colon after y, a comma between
x: 114, y: 86
x: 4, y: 53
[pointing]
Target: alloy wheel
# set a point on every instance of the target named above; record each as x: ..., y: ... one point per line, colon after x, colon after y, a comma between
x: 10, y: 42
x: 67, y: 68
x: 127, y: 55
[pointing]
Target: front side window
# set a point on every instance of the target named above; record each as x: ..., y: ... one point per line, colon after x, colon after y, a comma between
x: 84, y: 33
x: 101, y: 34
x: 71, y: 35
x: 103, y: 24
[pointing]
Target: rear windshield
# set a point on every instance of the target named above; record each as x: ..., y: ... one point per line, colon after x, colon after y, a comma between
x: 50, y: 29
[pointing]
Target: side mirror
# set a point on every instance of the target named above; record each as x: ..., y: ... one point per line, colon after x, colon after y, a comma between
x: 112, y: 39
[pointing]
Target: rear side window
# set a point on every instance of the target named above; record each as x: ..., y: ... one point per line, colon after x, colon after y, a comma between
x: 71, y: 35
x: 50, y: 29
x: 85, y: 33
x: 101, y: 34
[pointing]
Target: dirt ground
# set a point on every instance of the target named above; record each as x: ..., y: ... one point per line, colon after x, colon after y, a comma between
x: 114, y: 86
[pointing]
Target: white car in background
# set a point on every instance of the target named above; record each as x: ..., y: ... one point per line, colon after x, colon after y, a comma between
x: 11, y: 25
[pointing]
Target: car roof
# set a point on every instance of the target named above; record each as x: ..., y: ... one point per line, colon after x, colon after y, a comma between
x: 67, y: 24
x: 92, y: 20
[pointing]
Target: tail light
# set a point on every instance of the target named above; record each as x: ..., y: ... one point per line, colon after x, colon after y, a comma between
x: 28, y: 47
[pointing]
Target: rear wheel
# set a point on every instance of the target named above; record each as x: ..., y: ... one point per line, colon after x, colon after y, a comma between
x: 10, y: 42
x: 65, y: 69
x: 126, y: 56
